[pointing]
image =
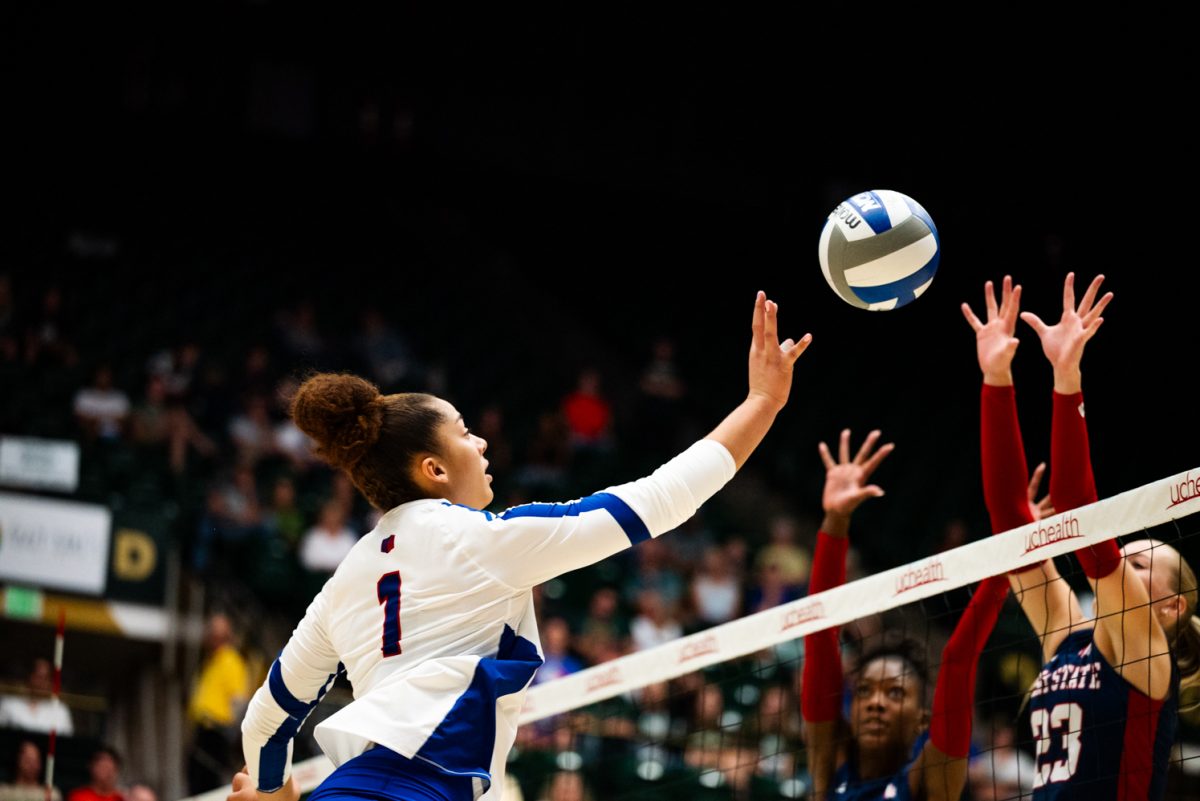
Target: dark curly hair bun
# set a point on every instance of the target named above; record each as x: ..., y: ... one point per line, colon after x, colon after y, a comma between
x: 343, y: 413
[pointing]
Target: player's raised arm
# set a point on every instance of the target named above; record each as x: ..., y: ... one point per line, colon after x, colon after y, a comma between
x: 1046, y: 599
x: 1126, y: 628
x: 846, y: 487
x: 529, y: 544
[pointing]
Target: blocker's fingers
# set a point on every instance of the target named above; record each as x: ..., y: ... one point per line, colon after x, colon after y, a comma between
x: 826, y: 456
x: 989, y: 300
x: 771, y: 324
x: 1089, y: 296
x: 760, y: 311
x: 972, y: 320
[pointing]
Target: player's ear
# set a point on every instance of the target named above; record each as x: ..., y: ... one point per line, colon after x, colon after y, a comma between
x: 431, y: 469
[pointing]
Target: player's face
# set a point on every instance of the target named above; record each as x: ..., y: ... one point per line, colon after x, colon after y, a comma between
x: 885, y: 711
x: 1157, y: 565
x: 467, y: 479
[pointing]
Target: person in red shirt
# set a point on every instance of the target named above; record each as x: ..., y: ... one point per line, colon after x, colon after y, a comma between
x: 105, y: 769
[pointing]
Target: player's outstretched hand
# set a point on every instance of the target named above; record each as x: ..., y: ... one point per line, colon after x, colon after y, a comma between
x: 1063, y: 342
x: 771, y: 361
x: 995, y: 344
x: 244, y: 790
x: 846, y: 479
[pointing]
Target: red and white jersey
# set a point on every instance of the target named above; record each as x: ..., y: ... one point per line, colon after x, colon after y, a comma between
x: 431, y: 617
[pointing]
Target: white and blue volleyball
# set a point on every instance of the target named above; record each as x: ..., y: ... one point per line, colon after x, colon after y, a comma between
x: 879, y: 250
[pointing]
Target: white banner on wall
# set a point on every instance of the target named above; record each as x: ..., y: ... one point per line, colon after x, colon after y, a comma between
x: 56, y: 544
x: 50, y: 464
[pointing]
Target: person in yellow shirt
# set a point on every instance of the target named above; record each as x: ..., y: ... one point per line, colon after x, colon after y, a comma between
x: 217, y: 703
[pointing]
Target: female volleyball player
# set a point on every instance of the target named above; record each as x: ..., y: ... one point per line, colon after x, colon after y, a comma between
x: 1103, y: 708
x: 431, y: 614
x: 896, y: 749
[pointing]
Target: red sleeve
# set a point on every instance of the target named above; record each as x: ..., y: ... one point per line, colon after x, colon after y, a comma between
x: 1005, y: 473
x: 1072, y: 483
x: 821, y: 682
x: 954, y: 696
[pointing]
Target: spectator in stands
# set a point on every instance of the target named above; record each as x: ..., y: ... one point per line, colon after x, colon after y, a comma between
x: 1004, y: 773
x: 655, y: 571
x: 603, y: 632
x: 252, y: 432
x: 162, y: 421
x: 327, y: 543
x: 791, y: 559
x: 654, y: 624
x: 284, y: 519
x: 28, y: 777
x: 566, y: 785
x: 716, y: 591
x: 588, y: 414
x: 556, y: 643
x: 101, y: 409
x: 218, y: 700
x: 104, y: 768
x: 38, y: 711
x: 770, y: 590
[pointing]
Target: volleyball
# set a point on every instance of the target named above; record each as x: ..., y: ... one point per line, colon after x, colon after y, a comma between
x: 879, y: 250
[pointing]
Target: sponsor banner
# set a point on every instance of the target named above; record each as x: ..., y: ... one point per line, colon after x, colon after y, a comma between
x: 44, y: 464
x: 1129, y: 512
x: 56, y: 544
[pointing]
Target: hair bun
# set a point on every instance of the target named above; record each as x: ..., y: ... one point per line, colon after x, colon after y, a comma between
x: 343, y: 413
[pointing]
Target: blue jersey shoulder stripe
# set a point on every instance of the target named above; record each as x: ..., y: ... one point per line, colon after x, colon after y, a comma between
x: 626, y: 518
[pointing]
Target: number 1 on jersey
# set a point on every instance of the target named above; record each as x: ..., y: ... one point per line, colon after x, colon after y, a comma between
x: 388, y: 589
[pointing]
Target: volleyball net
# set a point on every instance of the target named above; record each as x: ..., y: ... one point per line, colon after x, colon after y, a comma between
x: 716, y: 714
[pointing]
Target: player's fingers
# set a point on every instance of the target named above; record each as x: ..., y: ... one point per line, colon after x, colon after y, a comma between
x: 864, y: 450
x: 1091, y: 330
x: 794, y: 352
x: 760, y: 306
x: 1014, y: 307
x: 844, y: 447
x: 989, y: 301
x: 1034, y: 322
x: 1089, y: 296
x: 1005, y: 293
x: 1035, y: 480
x: 771, y: 325
x: 881, y: 454
x: 826, y: 456
x: 1098, y: 309
x: 1069, y: 293
x: 972, y: 320
x: 871, y: 491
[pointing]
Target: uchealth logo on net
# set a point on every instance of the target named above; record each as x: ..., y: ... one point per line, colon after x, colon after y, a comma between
x: 605, y: 678
x: 698, y: 648
x: 919, y: 576
x: 1048, y: 532
x: 802, y: 614
x: 1185, y: 490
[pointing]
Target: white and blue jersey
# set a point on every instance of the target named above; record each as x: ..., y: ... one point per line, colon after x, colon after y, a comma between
x: 431, y: 617
x: 1097, y: 737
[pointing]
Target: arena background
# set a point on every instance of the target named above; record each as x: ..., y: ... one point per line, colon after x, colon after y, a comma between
x: 523, y: 199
